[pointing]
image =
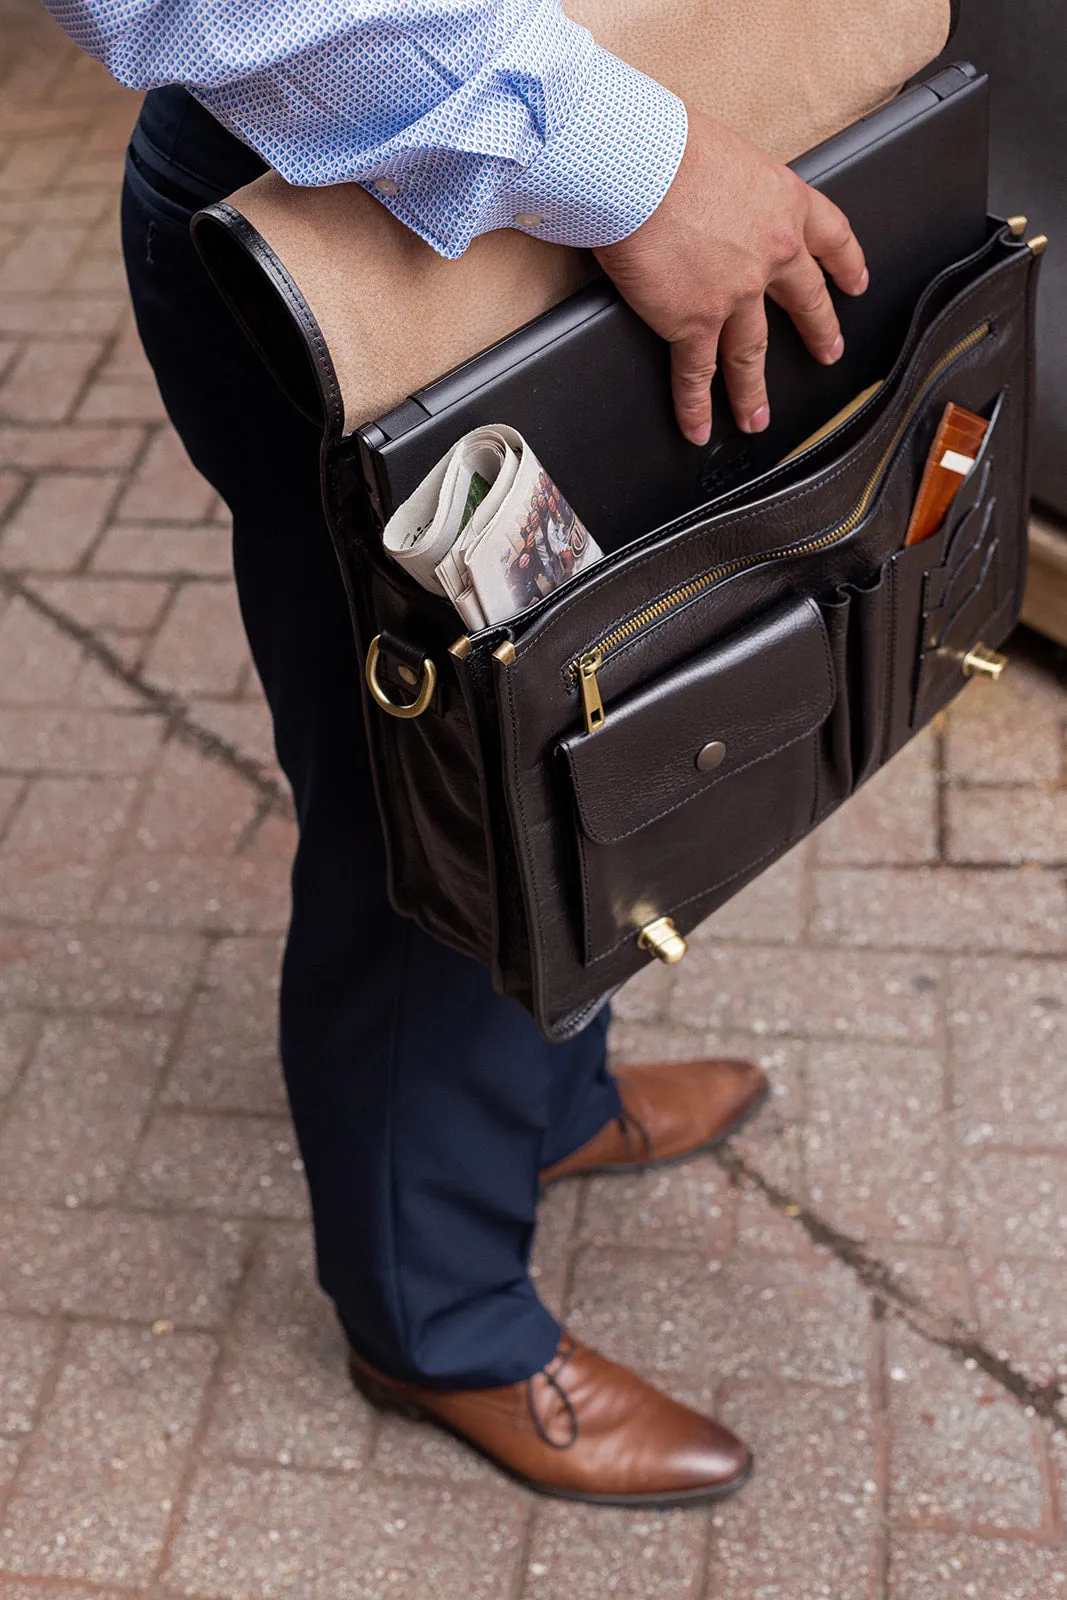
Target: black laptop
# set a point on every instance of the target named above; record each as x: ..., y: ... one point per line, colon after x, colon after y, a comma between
x: 588, y: 383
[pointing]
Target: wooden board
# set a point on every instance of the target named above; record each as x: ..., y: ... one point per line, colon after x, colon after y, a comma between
x: 1045, y: 603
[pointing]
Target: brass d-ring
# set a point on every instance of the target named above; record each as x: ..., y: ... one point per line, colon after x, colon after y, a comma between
x: 422, y: 699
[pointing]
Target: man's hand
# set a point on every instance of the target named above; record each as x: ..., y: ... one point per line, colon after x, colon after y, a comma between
x: 735, y: 225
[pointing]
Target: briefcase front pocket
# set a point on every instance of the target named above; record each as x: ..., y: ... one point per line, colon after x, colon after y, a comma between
x: 702, y: 775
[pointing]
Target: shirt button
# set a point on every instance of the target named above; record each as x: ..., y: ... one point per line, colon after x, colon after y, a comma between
x: 386, y: 185
x: 528, y: 219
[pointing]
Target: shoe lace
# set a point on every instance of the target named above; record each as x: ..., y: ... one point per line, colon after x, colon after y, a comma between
x: 552, y: 1374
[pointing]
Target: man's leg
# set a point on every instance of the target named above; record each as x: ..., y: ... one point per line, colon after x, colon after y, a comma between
x: 424, y: 1104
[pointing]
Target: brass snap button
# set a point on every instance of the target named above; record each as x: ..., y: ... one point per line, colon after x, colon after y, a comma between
x: 712, y: 755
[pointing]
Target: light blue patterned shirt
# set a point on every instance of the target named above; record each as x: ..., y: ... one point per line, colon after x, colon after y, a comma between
x: 459, y: 115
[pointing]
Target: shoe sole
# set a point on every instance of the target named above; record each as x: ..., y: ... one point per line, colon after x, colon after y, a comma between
x: 624, y: 1168
x: 383, y: 1399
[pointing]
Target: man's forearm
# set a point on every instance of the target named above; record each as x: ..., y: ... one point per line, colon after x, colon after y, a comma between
x: 460, y: 117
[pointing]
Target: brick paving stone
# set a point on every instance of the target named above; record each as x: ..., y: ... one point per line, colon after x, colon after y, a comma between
x: 246, y: 727
x: 106, y: 605
x: 55, y: 853
x: 1010, y: 1203
x: 1008, y: 1023
x: 124, y: 1266
x: 550, y: 1259
x: 97, y: 687
x: 228, y: 1058
x: 10, y: 1456
x: 95, y: 1494
x: 771, y: 1146
x: 193, y: 804
x: 47, y: 380
x: 808, y: 992
x: 1022, y: 1310
x: 942, y: 908
x: 166, y: 486
x: 245, y: 1535
x: 961, y: 1449
x: 893, y: 818
x: 927, y: 1566
x: 18, y: 1032
x: 1007, y: 826
x: 79, y: 446
x: 96, y: 969
x: 58, y: 314
x: 404, y: 1450
x: 938, y: 1276
x: 28, y: 1349
x: 216, y: 894
x: 688, y: 1315
x: 582, y: 1552
x: 201, y: 550
x: 875, y: 1147
x: 121, y: 400
x: 1009, y: 732
x: 234, y: 1165
x: 770, y: 908
x: 41, y: 259
x: 284, y: 1394
x: 811, y: 1507
x: 77, y: 742
x: 38, y: 664
x: 11, y: 486
x: 51, y: 1589
x: 34, y: 163
x: 201, y: 647
x: 58, y: 521
x: 71, y: 1136
x: 11, y: 792
x: 682, y: 1207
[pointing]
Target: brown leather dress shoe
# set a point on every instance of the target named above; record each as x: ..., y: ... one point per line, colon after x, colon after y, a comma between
x: 582, y: 1429
x: 670, y: 1111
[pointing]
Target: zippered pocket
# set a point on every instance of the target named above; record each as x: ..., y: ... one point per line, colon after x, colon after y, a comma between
x: 585, y: 669
x: 703, y: 775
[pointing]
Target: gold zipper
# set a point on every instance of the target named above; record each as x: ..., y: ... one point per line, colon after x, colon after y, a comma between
x: 584, y: 668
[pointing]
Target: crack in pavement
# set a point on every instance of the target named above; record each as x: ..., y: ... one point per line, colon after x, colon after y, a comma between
x: 180, y: 724
x: 889, y: 1291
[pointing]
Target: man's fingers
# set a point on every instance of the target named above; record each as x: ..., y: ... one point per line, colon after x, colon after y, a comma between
x: 743, y: 354
x: 829, y: 237
x: 692, y: 369
x: 800, y: 289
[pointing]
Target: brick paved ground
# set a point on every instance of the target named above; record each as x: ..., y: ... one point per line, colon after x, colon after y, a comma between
x: 871, y: 1285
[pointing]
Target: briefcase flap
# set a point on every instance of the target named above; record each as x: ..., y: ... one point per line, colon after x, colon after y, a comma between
x: 378, y: 314
x: 739, y: 703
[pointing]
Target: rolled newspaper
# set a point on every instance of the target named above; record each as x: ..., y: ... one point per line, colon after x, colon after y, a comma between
x: 489, y: 530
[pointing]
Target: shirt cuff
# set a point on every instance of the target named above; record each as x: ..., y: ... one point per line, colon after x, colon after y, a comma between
x: 592, y: 183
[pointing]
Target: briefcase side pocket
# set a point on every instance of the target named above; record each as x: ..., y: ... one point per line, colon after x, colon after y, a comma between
x: 689, y: 783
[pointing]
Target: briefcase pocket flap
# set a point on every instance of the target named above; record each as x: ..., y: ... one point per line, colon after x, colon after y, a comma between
x: 739, y: 703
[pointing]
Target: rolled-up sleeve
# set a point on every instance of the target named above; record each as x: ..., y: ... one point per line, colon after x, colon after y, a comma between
x: 459, y: 115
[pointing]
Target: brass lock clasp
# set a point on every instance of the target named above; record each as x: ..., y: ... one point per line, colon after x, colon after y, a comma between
x: 662, y: 939
x: 983, y: 662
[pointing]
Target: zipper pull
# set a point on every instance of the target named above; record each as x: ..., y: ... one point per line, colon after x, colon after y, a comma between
x: 588, y: 667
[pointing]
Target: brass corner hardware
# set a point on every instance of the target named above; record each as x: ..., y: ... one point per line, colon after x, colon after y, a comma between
x: 984, y: 662
x: 504, y: 653
x: 422, y: 699
x: 1038, y: 245
x: 1017, y: 226
x: 461, y: 648
x: 662, y: 939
